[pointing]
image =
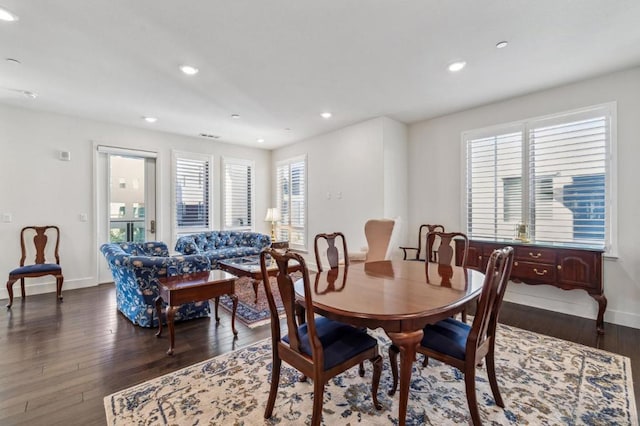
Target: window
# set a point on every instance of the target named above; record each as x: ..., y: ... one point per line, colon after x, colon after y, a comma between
x: 552, y: 174
x: 291, y: 196
x: 192, y: 191
x: 237, y: 197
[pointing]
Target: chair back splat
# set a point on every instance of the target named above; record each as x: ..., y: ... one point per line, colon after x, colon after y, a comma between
x: 315, y: 346
x: 441, y: 248
x: 333, y: 254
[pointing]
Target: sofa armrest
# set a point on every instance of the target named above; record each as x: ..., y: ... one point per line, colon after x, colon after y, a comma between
x: 187, y: 245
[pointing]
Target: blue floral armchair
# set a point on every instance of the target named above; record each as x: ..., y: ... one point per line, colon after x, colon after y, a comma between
x: 136, y: 268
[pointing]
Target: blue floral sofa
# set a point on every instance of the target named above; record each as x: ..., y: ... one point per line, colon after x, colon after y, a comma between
x: 219, y: 245
x: 136, y: 268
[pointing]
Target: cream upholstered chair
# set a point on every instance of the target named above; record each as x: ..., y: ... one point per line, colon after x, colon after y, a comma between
x: 381, y: 237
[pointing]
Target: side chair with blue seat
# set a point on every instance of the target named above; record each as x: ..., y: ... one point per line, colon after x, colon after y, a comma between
x: 41, y: 267
x: 464, y: 346
x: 319, y: 348
x: 136, y: 269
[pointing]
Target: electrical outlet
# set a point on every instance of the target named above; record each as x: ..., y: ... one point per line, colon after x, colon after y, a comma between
x: 83, y: 217
x: 7, y: 218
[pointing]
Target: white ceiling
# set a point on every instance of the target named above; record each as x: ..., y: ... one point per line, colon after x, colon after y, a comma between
x: 280, y: 63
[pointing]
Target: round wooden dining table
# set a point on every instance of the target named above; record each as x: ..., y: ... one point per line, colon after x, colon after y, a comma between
x: 401, y: 297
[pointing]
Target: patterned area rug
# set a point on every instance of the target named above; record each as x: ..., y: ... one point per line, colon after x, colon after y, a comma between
x: 543, y: 381
x: 249, y: 312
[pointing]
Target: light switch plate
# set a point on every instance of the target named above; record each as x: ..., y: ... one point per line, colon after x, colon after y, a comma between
x: 6, y: 217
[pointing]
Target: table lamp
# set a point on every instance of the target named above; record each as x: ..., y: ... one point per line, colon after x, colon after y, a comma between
x: 273, y: 215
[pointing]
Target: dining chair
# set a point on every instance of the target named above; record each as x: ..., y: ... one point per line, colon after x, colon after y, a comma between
x: 422, y: 233
x: 381, y: 235
x: 333, y: 254
x: 318, y: 347
x: 442, y: 251
x: 464, y: 346
x: 42, y: 250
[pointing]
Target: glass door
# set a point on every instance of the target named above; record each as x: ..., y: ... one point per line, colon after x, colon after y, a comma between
x: 127, y: 199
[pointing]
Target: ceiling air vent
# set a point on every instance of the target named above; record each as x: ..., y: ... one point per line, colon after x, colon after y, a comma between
x: 206, y: 135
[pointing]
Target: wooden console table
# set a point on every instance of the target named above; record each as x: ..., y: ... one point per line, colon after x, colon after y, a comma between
x: 568, y: 268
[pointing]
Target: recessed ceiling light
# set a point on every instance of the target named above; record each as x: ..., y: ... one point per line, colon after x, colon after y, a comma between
x: 150, y: 119
x: 235, y: 116
x: 502, y: 44
x: 29, y: 94
x: 5, y: 15
x: 325, y: 115
x: 260, y: 140
x: 457, y: 66
x: 12, y: 60
x: 288, y: 129
x: 189, y: 70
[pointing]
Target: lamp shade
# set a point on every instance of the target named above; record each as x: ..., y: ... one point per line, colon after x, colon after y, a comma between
x: 273, y: 215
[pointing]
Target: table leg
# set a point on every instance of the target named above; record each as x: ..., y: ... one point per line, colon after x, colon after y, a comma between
x: 407, y: 343
x: 171, y: 312
x: 255, y: 289
x: 217, y: 302
x: 159, y: 314
x: 602, y: 305
x: 234, y: 298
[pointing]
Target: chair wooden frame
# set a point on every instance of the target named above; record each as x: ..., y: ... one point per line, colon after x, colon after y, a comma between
x: 333, y: 256
x: 480, y: 342
x: 421, y: 236
x: 291, y: 353
x: 445, y: 252
x: 40, y: 242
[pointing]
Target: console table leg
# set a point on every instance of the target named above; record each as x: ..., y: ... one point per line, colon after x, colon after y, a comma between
x: 159, y: 314
x: 217, y: 302
x: 602, y: 305
x: 234, y: 298
x: 171, y: 313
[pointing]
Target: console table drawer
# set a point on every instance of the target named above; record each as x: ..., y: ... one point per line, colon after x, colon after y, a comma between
x: 540, y: 255
x: 535, y: 271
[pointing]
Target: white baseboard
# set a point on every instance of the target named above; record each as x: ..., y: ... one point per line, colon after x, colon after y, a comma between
x: 586, y: 307
x: 47, y: 287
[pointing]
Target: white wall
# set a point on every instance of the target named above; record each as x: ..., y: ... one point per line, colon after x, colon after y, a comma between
x: 39, y: 189
x: 349, y: 161
x: 435, y: 186
x: 396, y: 194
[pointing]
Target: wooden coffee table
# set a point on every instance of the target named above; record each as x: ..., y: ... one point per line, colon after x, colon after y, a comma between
x: 195, y: 287
x: 249, y: 266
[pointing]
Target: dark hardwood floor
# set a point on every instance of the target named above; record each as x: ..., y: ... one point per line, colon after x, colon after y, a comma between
x: 60, y: 359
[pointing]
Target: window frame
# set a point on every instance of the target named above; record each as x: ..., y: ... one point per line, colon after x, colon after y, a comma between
x: 223, y: 183
x: 608, y: 110
x: 304, y: 228
x: 175, y: 156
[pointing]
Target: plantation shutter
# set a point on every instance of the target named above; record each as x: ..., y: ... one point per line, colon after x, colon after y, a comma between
x: 292, y: 202
x: 192, y: 193
x: 568, y: 169
x: 238, y: 194
x: 494, y: 185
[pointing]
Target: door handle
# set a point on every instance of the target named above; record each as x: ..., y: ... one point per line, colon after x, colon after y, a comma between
x: 152, y: 228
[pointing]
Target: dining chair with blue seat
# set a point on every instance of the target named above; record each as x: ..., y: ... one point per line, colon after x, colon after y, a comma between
x: 47, y: 259
x: 319, y: 348
x: 463, y: 345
